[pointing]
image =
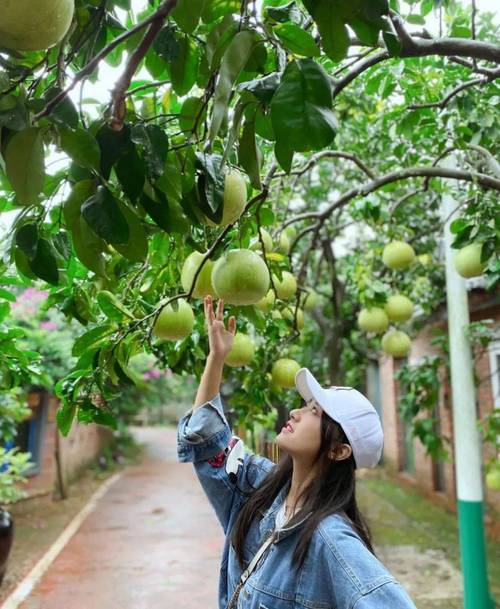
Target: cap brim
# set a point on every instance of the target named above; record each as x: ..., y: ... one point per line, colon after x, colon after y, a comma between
x: 308, y: 386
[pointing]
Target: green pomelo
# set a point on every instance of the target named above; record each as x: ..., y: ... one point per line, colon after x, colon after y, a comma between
x: 240, y: 277
x: 34, y: 25
x: 173, y: 324
x: 203, y: 285
x: 373, y: 319
x: 242, y: 351
x: 287, y: 287
x: 283, y: 372
x: 399, y: 308
x: 396, y: 343
x: 398, y: 255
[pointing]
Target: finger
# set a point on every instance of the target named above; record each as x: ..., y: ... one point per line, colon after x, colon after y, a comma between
x: 231, y: 325
x: 220, y: 309
x: 211, y: 316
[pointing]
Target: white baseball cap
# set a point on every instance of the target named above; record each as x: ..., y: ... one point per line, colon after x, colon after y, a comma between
x: 352, y: 411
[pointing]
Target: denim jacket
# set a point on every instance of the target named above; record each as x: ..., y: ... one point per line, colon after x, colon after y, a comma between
x: 339, y: 571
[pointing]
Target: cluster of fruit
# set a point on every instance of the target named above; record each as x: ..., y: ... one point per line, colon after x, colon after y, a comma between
x: 399, y: 308
x: 240, y: 277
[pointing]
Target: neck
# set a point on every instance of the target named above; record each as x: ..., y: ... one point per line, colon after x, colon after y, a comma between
x: 302, y: 474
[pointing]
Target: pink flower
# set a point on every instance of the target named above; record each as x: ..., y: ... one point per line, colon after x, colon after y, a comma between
x: 48, y: 325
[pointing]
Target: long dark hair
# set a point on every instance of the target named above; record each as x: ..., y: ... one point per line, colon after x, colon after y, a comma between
x: 333, y: 491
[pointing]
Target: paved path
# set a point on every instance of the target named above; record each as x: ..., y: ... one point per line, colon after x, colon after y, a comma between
x: 152, y: 543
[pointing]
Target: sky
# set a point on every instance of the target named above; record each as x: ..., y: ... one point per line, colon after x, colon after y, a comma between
x: 108, y: 75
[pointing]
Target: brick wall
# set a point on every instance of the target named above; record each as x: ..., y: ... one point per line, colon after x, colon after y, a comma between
x: 82, y: 445
x: 430, y: 475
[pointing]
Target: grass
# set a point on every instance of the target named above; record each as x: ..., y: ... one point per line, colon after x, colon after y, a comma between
x: 401, y: 516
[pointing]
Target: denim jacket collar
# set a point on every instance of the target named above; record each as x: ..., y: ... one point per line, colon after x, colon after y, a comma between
x: 268, y: 522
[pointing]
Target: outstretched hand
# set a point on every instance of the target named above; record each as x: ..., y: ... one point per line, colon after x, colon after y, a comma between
x: 220, y: 339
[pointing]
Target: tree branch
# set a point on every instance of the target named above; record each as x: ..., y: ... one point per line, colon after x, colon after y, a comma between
x: 163, y: 10
x: 482, y: 179
x: 330, y: 154
x: 462, y: 47
x: 465, y: 85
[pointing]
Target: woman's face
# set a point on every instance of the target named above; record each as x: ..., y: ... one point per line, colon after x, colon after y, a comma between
x: 304, y: 439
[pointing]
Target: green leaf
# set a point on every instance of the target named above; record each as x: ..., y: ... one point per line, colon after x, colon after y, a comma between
x: 27, y: 239
x: 187, y: 14
x: 112, y: 144
x: 102, y: 213
x: 166, y: 44
x: 415, y: 19
x: 91, y: 338
x: 262, y: 88
x: 81, y: 146
x: 297, y: 40
x: 284, y: 155
x: 367, y: 31
x: 111, y: 306
x: 249, y: 156
x: 154, y: 140
x: 24, y: 164
x: 157, y: 210
x: 44, y: 263
x: 235, y: 58
x: 192, y: 109
x: 184, y: 69
x: 214, y: 9
x: 131, y: 173
x: 301, y: 111
x: 392, y: 44
x: 65, y: 416
x: 334, y: 34
x: 64, y: 112
x: 136, y: 248
x: 87, y: 244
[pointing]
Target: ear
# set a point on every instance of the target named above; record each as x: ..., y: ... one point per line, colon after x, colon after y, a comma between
x: 342, y: 452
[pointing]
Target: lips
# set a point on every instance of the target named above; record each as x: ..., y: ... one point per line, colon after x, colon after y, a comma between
x: 288, y: 427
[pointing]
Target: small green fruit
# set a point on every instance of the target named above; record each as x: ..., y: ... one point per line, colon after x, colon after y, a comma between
x: 373, y: 319
x: 398, y: 255
x: 173, y: 324
x: 242, y: 351
x: 396, y: 343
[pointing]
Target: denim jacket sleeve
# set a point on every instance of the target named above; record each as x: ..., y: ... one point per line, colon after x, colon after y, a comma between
x: 390, y: 594
x: 223, y: 466
x: 358, y: 579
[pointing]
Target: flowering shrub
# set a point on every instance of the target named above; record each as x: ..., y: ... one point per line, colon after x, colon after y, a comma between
x: 45, y: 332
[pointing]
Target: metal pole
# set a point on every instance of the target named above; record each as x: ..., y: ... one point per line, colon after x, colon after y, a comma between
x: 467, y: 441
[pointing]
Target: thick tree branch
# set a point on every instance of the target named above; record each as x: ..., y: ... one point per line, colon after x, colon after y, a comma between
x: 119, y: 92
x: 462, y: 47
x: 482, y: 179
x: 159, y: 15
x: 362, y: 66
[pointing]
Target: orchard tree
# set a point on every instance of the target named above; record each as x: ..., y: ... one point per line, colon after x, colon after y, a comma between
x: 269, y: 128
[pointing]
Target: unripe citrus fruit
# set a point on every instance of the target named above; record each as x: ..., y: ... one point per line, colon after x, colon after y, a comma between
x: 266, y: 304
x: 396, y: 343
x: 173, y: 324
x: 240, y: 277
x: 468, y: 260
x: 373, y: 319
x: 242, y: 351
x: 287, y: 287
x: 398, y: 308
x: 283, y: 372
x: 203, y: 285
x: 34, y: 25
x: 398, y: 255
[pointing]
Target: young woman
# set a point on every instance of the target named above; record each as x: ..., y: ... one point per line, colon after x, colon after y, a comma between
x: 294, y: 537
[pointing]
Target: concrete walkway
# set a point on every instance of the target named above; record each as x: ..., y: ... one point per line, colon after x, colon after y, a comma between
x: 152, y: 543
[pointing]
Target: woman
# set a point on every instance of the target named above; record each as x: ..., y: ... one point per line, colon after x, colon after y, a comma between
x: 317, y: 552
